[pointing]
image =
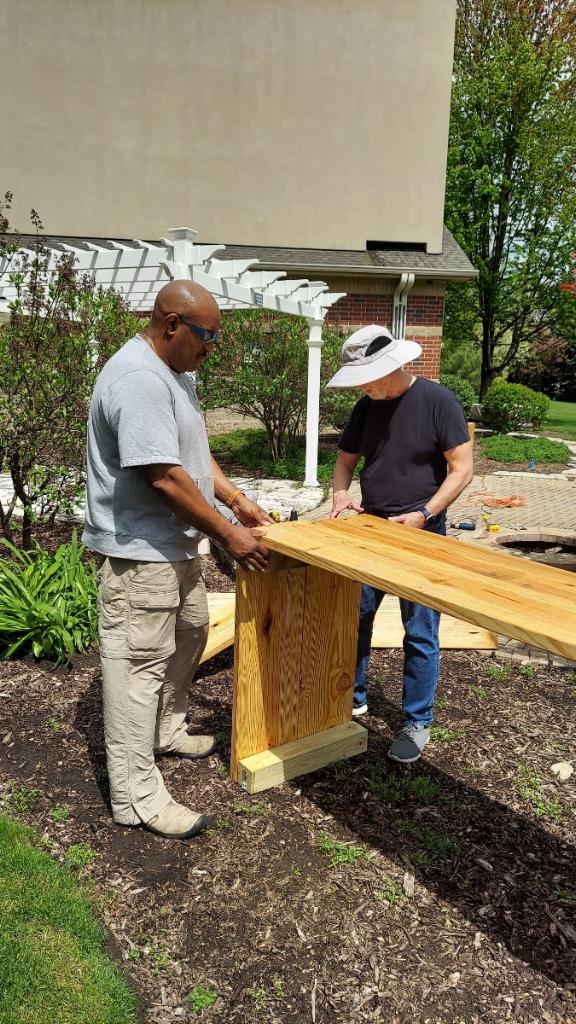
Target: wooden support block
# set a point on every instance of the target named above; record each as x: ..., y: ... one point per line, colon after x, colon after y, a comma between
x: 273, y: 767
x: 221, y: 627
x: 454, y: 634
x: 268, y: 642
x: 295, y: 655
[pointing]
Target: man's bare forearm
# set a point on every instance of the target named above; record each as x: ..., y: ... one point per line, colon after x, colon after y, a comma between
x: 223, y: 487
x: 187, y: 502
x: 343, y: 474
x: 448, y: 491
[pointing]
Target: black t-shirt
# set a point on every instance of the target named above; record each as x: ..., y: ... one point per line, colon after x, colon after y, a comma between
x: 403, y: 440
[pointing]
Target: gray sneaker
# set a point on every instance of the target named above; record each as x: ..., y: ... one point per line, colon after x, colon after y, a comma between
x: 409, y: 743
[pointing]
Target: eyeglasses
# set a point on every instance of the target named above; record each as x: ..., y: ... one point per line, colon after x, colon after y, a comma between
x: 208, y: 337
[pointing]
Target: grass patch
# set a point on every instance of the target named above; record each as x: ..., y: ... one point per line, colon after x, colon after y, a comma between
x: 564, y: 896
x: 395, y: 788
x: 426, y: 844
x: 52, y: 966
x: 500, y: 673
x: 60, y: 813
x: 561, y: 419
x: 201, y: 998
x: 391, y: 893
x: 530, y: 790
x: 259, y: 810
x: 248, y: 449
x: 20, y: 799
x: 79, y: 856
x: 528, y: 671
x: 342, y: 853
x: 503, y: 448
x: 444, y: 735
x: 261, y: 997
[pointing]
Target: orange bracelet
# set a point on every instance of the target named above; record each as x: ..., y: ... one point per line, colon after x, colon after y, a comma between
x: 232, y: 497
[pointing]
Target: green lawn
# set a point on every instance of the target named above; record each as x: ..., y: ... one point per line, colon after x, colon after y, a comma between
x: 52, y: 966
x: 561, y: 420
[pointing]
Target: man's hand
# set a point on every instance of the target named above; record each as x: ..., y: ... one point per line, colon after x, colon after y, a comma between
x: 341, y: 501
x: 249, y: 513
x: 414, y: 519
x: 246, y: 549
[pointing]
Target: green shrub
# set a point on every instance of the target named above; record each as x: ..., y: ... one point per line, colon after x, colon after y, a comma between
x: 47, y: 602
x: 61, y: 330
x: 337, y: 404
x: 507, y: 407
x: 261, y: 369
x: 249, y: 450
x: 461, y: 388
x: 502, y: 448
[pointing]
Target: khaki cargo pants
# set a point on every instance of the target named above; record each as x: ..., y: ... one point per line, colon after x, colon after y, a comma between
x: 153, y: 625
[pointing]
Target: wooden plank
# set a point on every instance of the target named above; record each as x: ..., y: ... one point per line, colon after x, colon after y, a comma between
x: 525, y: 600
x: 413, y: 568
x: 479, y: 574
x: 462, y: 554
x: 268, y: 638
x: 288, y: 761
x: 454, y: 634
x: 329, y: 638
x: 221, y: 626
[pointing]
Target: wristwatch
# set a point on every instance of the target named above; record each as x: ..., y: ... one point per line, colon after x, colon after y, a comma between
x: 426, y: 513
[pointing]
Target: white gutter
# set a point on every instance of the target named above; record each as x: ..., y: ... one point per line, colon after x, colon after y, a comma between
x: 354, y: 269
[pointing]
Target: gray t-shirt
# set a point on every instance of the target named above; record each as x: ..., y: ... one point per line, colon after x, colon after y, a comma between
x: 142, y: 412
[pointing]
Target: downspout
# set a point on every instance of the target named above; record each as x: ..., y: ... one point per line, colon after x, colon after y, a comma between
x: 400, y: 304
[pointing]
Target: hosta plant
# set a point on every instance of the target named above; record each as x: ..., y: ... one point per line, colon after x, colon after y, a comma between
x: 47, y: 602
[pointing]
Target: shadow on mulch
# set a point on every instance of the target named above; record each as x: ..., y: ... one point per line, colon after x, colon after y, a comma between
x: 505, y: 867
x: 506, y: 894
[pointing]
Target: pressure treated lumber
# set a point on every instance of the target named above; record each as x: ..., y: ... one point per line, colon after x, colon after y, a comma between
x: 221, y: 626
x: 273, y: 767
x: 454, y: 634
x: 526, y: 600
x: 295, y: 642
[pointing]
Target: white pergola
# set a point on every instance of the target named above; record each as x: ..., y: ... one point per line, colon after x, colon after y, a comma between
x: 139, y: 270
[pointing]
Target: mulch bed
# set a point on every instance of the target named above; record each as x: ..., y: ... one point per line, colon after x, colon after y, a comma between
x: 459, y: 908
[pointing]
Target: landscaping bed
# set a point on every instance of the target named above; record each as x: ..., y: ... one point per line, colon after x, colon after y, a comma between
x: 444, y: 893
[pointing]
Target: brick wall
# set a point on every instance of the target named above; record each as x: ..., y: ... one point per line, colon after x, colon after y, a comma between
x: 356, y: 310
x: 424, y: 322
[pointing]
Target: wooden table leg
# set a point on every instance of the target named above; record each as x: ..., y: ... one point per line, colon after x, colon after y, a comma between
x: 295, y: 654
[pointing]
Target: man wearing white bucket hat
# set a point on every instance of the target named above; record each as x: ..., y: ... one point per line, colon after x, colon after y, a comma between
x: 417, y: 454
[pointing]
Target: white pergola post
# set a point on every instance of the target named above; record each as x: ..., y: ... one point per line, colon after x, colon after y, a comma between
x: 314, y: 342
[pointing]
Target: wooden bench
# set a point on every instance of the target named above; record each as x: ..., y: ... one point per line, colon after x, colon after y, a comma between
x: 296, y: 628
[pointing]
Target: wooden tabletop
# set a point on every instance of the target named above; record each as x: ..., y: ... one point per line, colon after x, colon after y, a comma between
x: 526, y: 600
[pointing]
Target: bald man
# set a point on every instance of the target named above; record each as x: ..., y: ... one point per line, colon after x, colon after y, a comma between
x: 151, y: 483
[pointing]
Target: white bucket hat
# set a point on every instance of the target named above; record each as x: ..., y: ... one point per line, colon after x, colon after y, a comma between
x: 371, y: 353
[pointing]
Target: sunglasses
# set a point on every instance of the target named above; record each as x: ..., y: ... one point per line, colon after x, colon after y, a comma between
x: 208, y: 337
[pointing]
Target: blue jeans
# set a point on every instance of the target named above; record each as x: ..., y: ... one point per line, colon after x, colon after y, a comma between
x: 421, y: 648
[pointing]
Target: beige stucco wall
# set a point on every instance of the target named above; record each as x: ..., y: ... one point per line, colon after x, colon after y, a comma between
x: 294, y: 123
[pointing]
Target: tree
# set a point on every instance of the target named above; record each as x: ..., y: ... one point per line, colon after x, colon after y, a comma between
x: 60, y: 332
x: 511, y: 181
x: 261, y: 369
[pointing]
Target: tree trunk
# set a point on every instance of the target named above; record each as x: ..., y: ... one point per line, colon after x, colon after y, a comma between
x: 26, y: 528
x: 487, y: 373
